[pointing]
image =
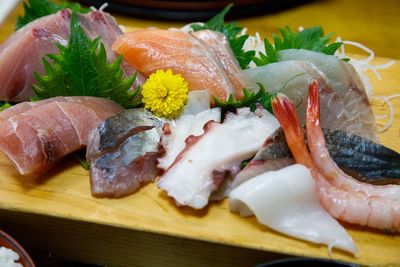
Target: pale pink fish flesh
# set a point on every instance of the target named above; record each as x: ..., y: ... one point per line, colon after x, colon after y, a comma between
x: 21, y: 54
x: 38, y: 137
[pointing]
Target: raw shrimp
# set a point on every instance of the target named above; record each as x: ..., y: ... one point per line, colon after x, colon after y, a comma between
x: 353, y: 207
x: 325, y: 164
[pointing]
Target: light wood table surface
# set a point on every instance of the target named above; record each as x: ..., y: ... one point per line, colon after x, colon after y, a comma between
x: 146, y: 229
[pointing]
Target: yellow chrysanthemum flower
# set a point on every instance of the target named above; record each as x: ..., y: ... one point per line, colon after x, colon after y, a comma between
x: 165, y: 93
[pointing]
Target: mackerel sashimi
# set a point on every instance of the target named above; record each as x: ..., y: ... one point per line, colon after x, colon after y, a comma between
x: 205, y: 64
x: 122, y: 152
x: 22, y: 53
x: 344, y: 103
x: 43, y: 133
x: 207, y: 159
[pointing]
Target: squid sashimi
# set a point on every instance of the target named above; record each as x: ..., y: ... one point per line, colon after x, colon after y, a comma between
x: 122, y: 152
x: 151, y: 49
x: 346, y: 205
x: 286, y: 201
x: 345, y: 105
x: 21, y: 54
x: 207, y: 159
x: 36, y: 138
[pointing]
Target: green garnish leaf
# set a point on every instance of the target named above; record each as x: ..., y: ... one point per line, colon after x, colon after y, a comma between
x: 250, y: 100
x: 310, y: 39
x: 231, y: 31
x: 82, y: 69
x: 80, y: 156
x: 4, y: 105
x: 35, y: 9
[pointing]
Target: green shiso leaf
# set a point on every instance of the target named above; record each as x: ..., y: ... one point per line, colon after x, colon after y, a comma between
x: 312, y: 39
x: 82, y: 69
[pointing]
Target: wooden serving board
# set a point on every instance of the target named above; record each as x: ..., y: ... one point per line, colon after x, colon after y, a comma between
x: 64, y: 194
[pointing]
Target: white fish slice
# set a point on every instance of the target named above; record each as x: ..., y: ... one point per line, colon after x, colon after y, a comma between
x: 287, y: 201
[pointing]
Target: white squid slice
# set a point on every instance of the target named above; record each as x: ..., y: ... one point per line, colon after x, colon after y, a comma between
x: 199, y: 168
x: 286, y: 201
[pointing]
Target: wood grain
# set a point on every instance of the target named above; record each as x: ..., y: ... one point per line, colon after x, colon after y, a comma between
x: 64, y: 193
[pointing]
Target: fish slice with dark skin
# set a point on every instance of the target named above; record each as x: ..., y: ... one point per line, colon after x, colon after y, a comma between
x: 122, y: 153
x: 44, y: 132
x: 365, y: 160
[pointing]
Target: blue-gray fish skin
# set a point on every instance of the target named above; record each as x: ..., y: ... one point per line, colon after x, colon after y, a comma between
x: 122, y: 153
x: 363, y: 159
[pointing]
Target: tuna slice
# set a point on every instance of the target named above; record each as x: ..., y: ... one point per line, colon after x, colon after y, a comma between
x: 204, y: 59
x: 122, y: 153
x: 22, y: 53
x: 206, y: 160
x: 344, y: 103
x: 45, y: 131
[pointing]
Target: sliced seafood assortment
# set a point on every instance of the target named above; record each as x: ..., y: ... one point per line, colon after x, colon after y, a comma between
x: 200, y: 122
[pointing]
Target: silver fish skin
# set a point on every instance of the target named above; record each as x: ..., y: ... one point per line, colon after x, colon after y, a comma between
x: 363, y: 159
x: 122, y: 153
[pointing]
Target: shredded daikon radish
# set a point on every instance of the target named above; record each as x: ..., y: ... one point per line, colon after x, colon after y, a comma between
x: 363, y: 65
x: 386, y: 101
x: 103, y: 6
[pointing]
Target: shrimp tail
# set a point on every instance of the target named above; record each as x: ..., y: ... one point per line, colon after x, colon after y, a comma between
x: 285, y: 112
x: 313, y: 106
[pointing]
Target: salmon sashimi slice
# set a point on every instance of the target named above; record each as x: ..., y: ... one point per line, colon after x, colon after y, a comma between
x: 43, y: 133
x: 198, y: 60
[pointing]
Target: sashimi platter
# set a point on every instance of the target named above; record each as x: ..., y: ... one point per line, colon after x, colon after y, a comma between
x: 280, y: 143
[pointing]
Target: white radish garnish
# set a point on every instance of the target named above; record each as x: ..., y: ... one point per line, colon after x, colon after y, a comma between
x: 203, y: 164
x: 286, y: 201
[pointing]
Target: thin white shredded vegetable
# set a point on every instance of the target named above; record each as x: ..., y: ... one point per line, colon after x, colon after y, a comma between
x: 386, y: 101
x: 103, y: 6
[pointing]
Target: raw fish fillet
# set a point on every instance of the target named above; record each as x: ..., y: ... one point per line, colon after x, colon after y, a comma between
x: 22, y: 52
x: 207, y: 159
x: 363, y: 159
x: 44, y: 133
x: 203, y: 66
x: 287, y: 201
x: 122, y: 153
x: 344, y: 103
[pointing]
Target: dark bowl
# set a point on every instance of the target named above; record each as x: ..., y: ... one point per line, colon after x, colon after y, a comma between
x: 8, y: 242
x: 309, y: 262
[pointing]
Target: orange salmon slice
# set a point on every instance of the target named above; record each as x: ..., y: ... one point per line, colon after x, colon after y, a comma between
x: 149, y: 50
